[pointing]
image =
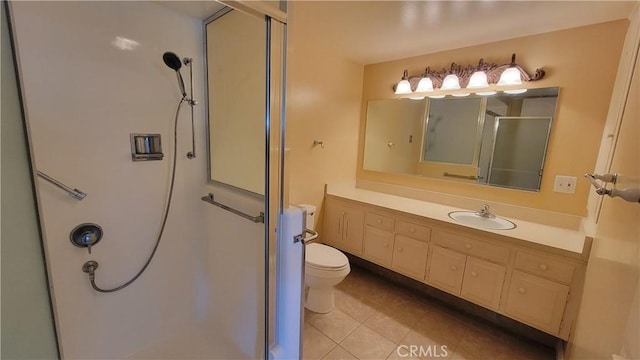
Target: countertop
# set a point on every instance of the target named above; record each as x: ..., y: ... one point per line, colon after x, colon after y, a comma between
x: 564, y: 239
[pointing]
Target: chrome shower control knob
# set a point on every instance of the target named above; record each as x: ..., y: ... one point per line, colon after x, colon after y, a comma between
x: 86, y: 235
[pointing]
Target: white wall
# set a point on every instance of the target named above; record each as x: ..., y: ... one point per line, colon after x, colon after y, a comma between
x: 83, y: 97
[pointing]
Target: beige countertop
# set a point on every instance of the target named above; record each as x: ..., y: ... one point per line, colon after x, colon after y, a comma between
x: 560, y: 238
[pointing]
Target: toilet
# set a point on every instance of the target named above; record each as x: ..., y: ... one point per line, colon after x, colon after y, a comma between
x: 324, y: 268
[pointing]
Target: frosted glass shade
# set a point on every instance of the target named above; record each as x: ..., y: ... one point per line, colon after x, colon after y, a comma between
x: 478, y: 80
x: 450, y: 82
x: 511, y: 76
x: 425, y: 85
x: 403, y: 87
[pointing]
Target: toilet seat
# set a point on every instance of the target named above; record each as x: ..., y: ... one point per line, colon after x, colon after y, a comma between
x: 323, y: 257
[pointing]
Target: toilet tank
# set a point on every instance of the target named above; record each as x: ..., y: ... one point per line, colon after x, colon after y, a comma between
x: 311, y: 215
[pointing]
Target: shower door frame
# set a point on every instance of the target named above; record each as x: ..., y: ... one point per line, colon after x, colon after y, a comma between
x: 274, y: 198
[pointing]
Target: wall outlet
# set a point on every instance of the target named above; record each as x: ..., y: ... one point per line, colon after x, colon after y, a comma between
x: 565, y: 184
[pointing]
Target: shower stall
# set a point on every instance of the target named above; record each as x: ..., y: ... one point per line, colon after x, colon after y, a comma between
x: 142, y: 267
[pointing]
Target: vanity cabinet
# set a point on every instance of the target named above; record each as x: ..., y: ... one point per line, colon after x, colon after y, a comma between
x: 539, y: 290
x: 530, y: 283
x: 396, y: 244
x: 410, y: 257
x: 343, y: 226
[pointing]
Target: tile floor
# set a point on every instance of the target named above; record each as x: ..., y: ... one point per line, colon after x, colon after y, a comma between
x: 375, y: 319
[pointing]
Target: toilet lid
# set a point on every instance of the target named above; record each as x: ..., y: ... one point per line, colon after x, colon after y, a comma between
x: 325, y: 256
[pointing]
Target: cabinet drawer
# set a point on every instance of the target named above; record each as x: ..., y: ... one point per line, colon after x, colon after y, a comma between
x: 545, y: 266
x: 377, y: 246
x: 467, y: 245
x: 380, y: 221
x: 414, y: 231
x: 482, y: 282
x: 536, y: 301
x: 446, y: 268
x: 410, y: 257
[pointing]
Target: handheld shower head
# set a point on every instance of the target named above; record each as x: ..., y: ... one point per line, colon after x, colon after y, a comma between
x: 173, y: 61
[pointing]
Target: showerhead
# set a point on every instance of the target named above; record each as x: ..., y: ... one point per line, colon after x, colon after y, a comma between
x: 173, y: 61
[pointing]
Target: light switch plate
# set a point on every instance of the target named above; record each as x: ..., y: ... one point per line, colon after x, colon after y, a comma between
x: 565, y: 184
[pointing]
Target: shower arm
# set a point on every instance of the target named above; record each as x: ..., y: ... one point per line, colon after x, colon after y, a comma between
x: 191, y: 154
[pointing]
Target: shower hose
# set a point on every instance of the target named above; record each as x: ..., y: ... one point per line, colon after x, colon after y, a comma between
x: 90, y: 268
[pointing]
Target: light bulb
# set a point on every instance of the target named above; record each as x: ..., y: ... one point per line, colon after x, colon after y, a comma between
x: 461, y: 94
x: 436, y: 96
x: 511, y: 76
x: 403, y: 87
x: 486, y: 93
x: 478, y: 80
x: 450, y: 82
x: 425, y: 85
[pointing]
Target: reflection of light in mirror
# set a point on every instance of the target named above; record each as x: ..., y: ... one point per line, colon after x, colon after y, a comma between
x: 486, y: 93
x: 123, y: 43
x: 516, y: 91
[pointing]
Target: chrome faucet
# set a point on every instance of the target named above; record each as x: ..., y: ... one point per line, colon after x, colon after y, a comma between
x: 484, y: 212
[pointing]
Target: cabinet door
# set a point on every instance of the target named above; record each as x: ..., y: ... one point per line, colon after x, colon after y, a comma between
x: 446, y: 269
x: 333, y: 223
x: 410, y: 257
x: 377, y: 246
x: 482, y: 282
x: 353, y: 230
x: 536, y: 301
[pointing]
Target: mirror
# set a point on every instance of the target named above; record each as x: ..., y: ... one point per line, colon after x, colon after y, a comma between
x: 498, y: 140
x: 236, y: 80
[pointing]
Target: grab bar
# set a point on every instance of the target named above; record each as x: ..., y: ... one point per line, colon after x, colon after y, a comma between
x: 468, y: 177
x: 74, y: 193
x: 256, y: 219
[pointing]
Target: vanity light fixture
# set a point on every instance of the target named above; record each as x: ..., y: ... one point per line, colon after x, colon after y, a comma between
x: 477, y: 79
x: 404, y: 87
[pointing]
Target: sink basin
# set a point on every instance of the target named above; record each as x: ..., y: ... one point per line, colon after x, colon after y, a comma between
x: 472, y: 218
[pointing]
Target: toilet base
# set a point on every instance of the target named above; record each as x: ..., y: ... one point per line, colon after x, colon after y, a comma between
x: 320, y: 300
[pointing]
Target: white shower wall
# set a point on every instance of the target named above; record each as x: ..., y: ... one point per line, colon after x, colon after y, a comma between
x: 84, y: 95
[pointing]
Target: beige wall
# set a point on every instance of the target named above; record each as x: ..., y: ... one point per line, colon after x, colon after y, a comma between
x: 608, y: 320
x: 323, y: 103
x: 581, y: 61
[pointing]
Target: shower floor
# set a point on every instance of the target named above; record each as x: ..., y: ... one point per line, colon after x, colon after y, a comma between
x: 198, y: 342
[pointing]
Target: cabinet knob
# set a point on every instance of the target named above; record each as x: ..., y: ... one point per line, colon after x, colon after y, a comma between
x: 453, y: 268
x: 543, y: 267
x: 522, y: 290
x: 379, y: 221
x: 412, y: 230
x: 474, y: 274
x: 400, y: 249
x: 467, y: 246
x: 386, y: 244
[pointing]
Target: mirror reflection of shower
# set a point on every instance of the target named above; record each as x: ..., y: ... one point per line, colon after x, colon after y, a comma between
x: 173, y: 62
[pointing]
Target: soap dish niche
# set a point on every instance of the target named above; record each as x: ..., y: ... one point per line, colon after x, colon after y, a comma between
x: 145, y: 147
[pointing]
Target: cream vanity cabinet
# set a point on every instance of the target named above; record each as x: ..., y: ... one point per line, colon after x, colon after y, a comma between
x: 343, y: 226
x: 396, y: 244
x: 470, y: 268
x: 539, y: 290
x: 531, y: 283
